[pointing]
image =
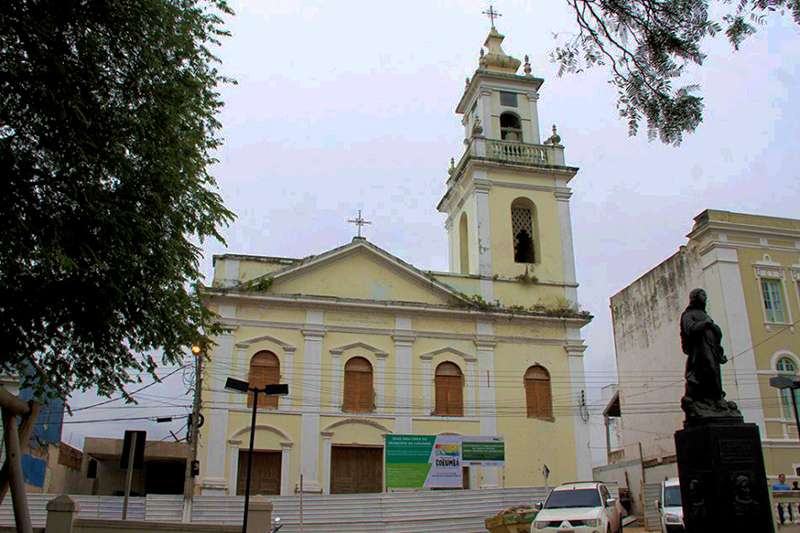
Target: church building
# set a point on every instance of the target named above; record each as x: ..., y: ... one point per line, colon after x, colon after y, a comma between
x: 371, y: 345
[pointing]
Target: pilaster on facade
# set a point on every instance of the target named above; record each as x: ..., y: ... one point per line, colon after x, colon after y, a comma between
x: 484, y: 109
x: 327, y: 443
x: 234, y: 445
x: 575, y: 349
x: 216, y: 426
x: 483, y: 216
x: 313, y: 334
x: 403, y: 338
x: 563, y: 194
x: 533, y: 103
x: 485, y: 344
x: 230, y: 273
x: 286, y: 468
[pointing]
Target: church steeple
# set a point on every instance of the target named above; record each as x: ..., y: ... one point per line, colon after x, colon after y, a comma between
x: 496, y: 59
x: 507, y: 198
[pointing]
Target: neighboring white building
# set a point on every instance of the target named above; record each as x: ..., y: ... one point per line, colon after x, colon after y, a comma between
x: 749, y: 266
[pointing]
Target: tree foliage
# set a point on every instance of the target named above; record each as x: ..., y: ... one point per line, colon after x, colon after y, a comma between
x: 107, y: 131
x: 648, y: 45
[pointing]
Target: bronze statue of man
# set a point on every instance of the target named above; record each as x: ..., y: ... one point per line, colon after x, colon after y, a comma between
x: 701, y: 341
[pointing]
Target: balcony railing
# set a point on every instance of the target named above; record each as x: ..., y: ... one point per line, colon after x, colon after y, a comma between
x: 786, y: 509
x: 515, y: 152
x: 511, y: 152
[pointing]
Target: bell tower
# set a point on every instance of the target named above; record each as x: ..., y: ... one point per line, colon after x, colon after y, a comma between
x: 507, y: 199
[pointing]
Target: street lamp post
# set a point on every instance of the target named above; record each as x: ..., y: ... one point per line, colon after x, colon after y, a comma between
x: 238, y: 385
x: 791, y: 383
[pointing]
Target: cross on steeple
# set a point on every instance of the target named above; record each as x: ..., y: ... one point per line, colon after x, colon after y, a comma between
x: 492, y: 14
x: 360, y: 222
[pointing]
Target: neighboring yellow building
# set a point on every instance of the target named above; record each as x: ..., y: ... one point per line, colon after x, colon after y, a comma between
x: 370, y: 345
x: 750, y: 267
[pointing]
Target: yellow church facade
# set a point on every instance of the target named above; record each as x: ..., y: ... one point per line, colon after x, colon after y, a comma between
x: 371, y: 346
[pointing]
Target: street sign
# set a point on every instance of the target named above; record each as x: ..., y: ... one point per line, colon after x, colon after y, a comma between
x: 138, y: 452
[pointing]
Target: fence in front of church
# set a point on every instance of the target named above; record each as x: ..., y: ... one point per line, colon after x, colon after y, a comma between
x: 397, y: 512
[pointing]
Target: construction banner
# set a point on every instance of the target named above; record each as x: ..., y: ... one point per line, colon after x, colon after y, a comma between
x: 423, y: 461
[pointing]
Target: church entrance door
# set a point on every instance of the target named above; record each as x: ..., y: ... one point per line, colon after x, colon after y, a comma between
x: 265, y: 477
x: 356, y: 469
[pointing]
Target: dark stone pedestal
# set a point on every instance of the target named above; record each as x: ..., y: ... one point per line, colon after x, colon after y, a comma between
x: 723, y: 482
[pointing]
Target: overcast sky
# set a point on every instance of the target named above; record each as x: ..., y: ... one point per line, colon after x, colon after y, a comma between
x: 349, y: 105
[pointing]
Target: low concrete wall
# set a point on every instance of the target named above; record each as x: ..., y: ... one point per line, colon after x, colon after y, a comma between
x: 62, y: 512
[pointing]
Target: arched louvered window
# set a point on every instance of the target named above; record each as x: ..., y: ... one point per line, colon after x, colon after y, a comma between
x: 786, y: 365
x: 463, y: 241
x: 537, y: 393
x: 359, y: 396
x: 265, y: 369
x: 522, y: 230
x: 510, y: 127
x: 449, y: 384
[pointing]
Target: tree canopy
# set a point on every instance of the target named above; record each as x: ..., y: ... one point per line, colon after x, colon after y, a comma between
x: 648, y: 45
x: 107, y: 130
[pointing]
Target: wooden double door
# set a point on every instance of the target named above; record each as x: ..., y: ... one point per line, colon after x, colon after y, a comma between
x: 265, y: 477
x: 356, y: 469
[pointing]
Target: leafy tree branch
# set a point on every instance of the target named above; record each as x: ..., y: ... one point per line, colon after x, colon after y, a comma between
x: 107, y: 130
x: 648, y: 44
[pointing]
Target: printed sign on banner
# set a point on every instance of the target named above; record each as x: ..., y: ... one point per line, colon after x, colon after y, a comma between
x: 445, y: 460
x: 423, y: 461
x: 486, y: 451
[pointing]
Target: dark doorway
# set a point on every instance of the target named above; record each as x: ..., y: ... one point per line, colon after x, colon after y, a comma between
x: 164, y: 477
x: 265, y: 477
x: 356, y: 470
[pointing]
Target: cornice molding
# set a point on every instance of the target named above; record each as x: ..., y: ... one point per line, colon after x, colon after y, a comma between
x: 411, y: 308
x: 422, y: 334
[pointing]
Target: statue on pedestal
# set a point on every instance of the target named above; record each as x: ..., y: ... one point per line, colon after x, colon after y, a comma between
x: 701, y: 341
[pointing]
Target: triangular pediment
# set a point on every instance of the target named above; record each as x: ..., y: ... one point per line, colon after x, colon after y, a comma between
x: 360, y: 270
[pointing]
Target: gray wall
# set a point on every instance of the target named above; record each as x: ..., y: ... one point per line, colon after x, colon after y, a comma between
x: 650, y: 362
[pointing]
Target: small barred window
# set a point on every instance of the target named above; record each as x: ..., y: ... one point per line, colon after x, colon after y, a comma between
x: 522, y: 231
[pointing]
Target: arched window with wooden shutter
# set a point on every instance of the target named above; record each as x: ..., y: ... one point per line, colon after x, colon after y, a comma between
x: 359, y: 396
x: 537, y: 393
x: 449, y: 384
x: 265, y: 369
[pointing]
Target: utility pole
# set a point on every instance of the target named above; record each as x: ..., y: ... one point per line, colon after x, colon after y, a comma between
x: 194, y: 429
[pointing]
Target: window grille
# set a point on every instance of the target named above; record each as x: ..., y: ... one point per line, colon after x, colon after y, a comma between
x: 522, y: 231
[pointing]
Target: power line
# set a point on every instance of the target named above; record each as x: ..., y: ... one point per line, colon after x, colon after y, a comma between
x: 104, y: 402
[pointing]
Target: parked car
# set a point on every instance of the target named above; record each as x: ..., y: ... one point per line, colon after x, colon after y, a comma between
x: 670, y: 510
x: 579, y: 507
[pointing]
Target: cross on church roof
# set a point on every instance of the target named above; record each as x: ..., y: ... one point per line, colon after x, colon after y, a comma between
x: 492, y: 14
x: 360, y: 222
